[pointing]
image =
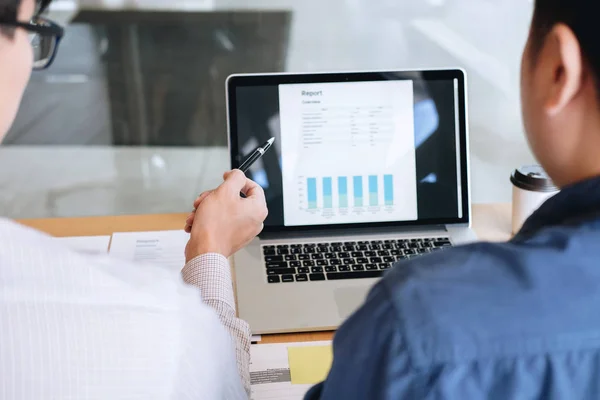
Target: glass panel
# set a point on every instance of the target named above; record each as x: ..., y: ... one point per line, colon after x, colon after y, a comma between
x: 134, y: 105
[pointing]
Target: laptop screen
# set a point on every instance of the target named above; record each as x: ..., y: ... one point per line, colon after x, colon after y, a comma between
x: 355, y: 149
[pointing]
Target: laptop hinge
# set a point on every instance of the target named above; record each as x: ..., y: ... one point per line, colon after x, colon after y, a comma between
x: 352, y: 232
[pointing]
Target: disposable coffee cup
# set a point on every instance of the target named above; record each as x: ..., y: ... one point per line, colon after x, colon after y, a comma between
x: 531, y: 188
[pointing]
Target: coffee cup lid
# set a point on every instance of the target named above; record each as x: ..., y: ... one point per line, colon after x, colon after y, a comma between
x: 533, y: 178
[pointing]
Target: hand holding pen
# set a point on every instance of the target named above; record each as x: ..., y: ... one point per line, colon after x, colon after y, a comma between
x: 246, y: 165
x: 256, y: 155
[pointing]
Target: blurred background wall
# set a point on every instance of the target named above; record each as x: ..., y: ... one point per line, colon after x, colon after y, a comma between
x: 131, y: 117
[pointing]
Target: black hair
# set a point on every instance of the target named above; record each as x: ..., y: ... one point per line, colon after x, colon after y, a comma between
x: 9, y: 9
x: 580, y: 16
x: 8, y: 12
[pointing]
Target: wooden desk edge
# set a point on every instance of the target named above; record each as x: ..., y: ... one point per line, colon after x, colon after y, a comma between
x: 107, y: 225
x: 98, y: 226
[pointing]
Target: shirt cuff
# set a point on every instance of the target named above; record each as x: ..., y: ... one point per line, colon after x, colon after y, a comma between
x: 212, y: 274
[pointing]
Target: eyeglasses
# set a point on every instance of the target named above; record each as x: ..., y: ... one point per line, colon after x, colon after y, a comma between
x: 44, y: 36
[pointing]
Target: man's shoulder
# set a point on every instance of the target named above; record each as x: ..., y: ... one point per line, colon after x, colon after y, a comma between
x: 30, y: 257
x: 448, y: 271
x: 443, y: 280
x: 11, y: 229
x: 488, y: 300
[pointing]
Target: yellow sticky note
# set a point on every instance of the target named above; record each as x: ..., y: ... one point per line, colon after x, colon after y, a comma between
x: 309, y: 364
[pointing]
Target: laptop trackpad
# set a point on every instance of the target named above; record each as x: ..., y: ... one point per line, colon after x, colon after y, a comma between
x: 348, y: 299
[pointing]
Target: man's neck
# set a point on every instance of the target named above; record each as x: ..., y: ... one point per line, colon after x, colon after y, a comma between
x: 585, y: 164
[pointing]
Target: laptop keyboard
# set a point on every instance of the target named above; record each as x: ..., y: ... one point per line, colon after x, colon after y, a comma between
x: 288, y: 263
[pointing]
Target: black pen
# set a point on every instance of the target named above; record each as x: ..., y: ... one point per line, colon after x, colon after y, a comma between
x: 256, y: 155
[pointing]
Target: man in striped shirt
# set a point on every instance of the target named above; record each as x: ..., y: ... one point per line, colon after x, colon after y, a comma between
x: 74, y: 326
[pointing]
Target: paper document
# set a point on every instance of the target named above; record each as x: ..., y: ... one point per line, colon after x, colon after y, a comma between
x: 270, y: 373
x: 86, y: 244
x: 256, y: 338
x: 165, y: 248
x: 348, y: 152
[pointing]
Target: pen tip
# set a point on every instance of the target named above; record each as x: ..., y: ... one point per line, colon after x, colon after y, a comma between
x: 270, y: 141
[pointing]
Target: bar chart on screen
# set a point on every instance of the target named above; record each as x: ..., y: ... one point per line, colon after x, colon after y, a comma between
x: 353, y: 198
x: 320, y: 193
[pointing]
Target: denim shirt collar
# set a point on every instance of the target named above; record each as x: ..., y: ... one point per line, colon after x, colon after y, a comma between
x: 573, y: 206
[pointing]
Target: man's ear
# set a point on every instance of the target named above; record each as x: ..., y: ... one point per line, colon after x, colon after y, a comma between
x: 563, y: 68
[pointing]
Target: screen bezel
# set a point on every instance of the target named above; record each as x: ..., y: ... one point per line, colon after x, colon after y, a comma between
x: 244, y: 80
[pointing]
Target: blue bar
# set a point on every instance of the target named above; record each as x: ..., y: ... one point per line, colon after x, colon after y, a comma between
x: 327, y: 190
x: 312, y: 193
x: 388, y: 189
x: 358, y: 191
x: 373, y: 189
x: 343, y: 191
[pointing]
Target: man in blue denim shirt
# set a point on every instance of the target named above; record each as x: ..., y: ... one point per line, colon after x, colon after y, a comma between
x: 519, y: 320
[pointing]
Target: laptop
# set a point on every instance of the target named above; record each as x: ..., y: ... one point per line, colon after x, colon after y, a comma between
x: 368, y: 169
